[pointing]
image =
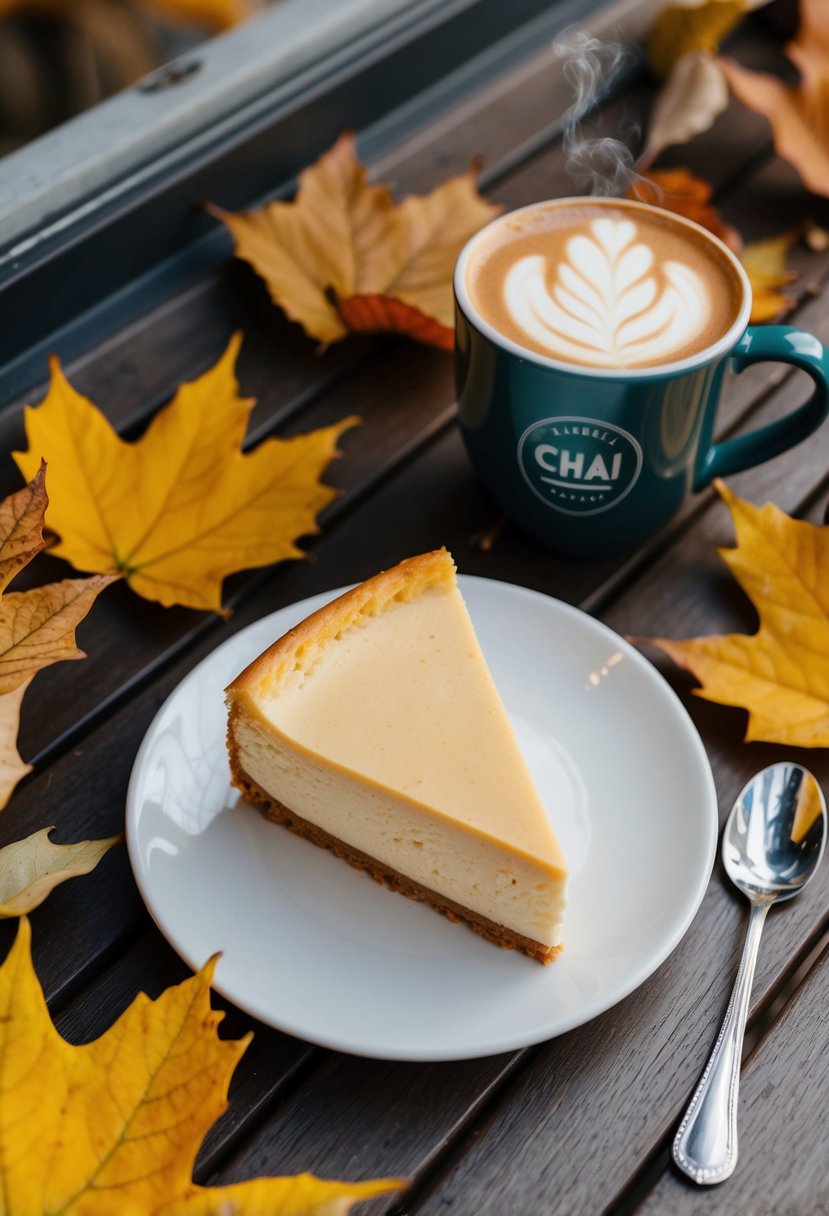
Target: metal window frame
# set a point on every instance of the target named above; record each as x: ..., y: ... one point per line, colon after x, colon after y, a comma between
x: 101, y: 216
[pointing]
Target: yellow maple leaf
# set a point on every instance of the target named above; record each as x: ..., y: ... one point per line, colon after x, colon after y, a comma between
x: 115, y: 1125
x: 435, y: 229
x: 781, y: 673
x: 182, y: 507
x: 683, y: 29
x: 799, y: 116
x: 342, y: 256
x: 765, y: 264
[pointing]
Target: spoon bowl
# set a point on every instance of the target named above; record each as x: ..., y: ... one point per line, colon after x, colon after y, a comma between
x: 776, y: 833
x: 771, y: 847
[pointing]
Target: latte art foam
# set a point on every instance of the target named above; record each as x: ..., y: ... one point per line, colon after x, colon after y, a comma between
x: 608, y: 303
x: 604, y: 286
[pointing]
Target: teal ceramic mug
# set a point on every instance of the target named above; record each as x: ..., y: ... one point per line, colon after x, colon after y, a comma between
x: 593, y: 462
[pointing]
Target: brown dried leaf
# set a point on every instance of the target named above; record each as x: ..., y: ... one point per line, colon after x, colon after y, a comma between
x: 435, y: 229
x: 37, y: 627
x: 692, y: 97
x: 340, y: 234
x: 21, y: 526
x: 765, y: 264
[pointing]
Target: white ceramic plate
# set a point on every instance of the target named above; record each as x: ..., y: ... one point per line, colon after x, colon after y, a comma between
x: 318, y: 949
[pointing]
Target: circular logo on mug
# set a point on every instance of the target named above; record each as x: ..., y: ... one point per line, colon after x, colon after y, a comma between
x: 580, y: 466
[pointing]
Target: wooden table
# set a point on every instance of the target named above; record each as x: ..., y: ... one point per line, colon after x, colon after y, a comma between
x: 582, y: 1124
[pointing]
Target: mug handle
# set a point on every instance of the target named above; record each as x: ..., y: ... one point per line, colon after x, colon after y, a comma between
x: 780, y: 344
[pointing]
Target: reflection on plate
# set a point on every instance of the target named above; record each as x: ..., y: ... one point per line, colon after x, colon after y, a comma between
x: 319, y: 950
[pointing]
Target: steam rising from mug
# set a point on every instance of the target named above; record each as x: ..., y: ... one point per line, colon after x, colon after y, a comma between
x: 601, y: 166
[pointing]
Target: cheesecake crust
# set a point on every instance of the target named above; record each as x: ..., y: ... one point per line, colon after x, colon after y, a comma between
x: 277, y: 812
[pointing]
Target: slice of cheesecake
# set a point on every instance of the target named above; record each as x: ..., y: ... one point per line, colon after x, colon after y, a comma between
x: 374, y: 728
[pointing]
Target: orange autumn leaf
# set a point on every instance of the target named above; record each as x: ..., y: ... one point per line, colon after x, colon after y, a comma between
x: 214, y: 14
x: 799, y: 115
x: 183, y: 507
x: 780, y: 674
x: 384, y: 314
x: 681, y: 191
x: 114, y: 1126
x: 343, y: 256
x: 37, y: 627
x: 765, y: 264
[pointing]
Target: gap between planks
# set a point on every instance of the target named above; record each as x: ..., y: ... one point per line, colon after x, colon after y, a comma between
x: 602, y: 598
x: 764, y: 1021
x: 419, y: 442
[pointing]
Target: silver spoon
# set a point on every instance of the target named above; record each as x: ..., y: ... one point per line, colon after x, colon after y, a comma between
x: 771, y: 847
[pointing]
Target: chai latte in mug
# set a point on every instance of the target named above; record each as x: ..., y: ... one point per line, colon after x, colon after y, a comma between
x: 603, y: 285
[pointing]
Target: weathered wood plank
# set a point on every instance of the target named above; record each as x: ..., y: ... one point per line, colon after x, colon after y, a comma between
x: 354, y: 1118
x: 272, y: 1063
x: 449, y: 508
x: 642, y: 1058
x: 782, y: 1126
x: 137, y: 370
x: 662, y: 1028
x: 579, y: 1116
x: 102, y: 911
x: 402, y: 394
x: 143, y: 363
x: 110, y: 751
x: 128, y: 639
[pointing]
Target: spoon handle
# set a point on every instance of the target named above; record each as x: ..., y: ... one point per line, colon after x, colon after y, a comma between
x: 705, y: 1146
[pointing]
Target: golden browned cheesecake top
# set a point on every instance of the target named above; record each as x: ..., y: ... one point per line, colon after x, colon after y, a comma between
x: 297, y: 648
